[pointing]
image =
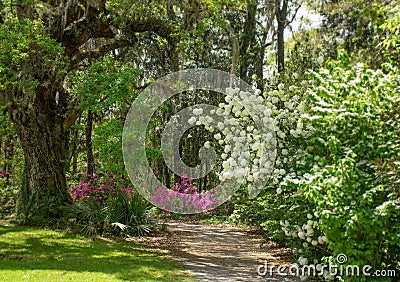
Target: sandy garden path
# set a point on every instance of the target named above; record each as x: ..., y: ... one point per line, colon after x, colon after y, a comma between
x: 221, y: 253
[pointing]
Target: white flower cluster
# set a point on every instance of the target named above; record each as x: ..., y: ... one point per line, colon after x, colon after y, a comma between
x: 249, y: 138
x: 289, y: 112
x: 305, y: 232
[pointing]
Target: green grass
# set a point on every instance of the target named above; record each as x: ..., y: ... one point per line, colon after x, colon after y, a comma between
x: 28, y: 254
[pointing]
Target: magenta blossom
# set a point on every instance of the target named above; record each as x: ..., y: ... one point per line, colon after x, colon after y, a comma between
x: 3, y: 174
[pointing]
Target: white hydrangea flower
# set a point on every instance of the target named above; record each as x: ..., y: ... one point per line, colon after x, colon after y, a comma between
x: 275, y: 100
x: 226, y: 164
x: 198, y: 112
x: 320, y: 60
x: 192, y: 120
x: 303, y: 261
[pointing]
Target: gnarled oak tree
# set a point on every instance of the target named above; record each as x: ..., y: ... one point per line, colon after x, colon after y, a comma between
x: 41, y: 42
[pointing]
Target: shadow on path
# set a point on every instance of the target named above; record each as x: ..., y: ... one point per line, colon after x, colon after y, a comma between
x: 220, y: 253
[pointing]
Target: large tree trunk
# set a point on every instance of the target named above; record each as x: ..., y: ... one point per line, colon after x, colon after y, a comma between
x: 44, y: 194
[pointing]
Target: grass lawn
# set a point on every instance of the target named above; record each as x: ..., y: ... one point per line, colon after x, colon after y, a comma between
x: 29, y: 254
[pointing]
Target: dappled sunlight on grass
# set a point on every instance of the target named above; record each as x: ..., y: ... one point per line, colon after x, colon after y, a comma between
x: 46, y: 255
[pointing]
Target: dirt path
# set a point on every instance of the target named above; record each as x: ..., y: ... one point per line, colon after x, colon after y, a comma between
x: 221, y: 253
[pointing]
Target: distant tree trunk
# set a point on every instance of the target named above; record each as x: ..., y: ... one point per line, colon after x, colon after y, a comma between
x: 89, y: 147
x: 248, y: 39
x: 235, y: 54
x: 9, y: 145
x: 258, y: 69
x: 281, y: 14
x: 74, y: 151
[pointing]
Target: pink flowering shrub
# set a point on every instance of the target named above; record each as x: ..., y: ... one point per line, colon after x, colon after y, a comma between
x: 109, y: 205
x: 93, y: 187
x: 183, y: 198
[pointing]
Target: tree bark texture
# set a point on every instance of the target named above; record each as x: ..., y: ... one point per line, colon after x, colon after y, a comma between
x: 89, y: 147
x: 43, y: 138
x: 281, y: 14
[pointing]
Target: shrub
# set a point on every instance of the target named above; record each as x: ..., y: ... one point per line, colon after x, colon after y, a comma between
x: 8, y: 195
x: 335, y: 187
x: 184, y: 198
x: 109, y: 205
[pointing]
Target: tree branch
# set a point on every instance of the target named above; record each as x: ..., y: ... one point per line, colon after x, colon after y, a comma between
x: 158, y: 26
x: 71, y: 116
x: 293, y: 16
x: 81, y: 31
x: 100, y: 51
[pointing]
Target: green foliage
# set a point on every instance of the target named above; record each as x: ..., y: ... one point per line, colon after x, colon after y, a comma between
x: 49, y: 211
x: 11, y: 162
x: 8, y: 197
x: 107, y: 89
x: 27, y: 55
x: 106, y: 85
x: 107, y: 140
x: 358, y: 209
x: 120, y: 214
x: 128, y: 214
x: 390, y: 41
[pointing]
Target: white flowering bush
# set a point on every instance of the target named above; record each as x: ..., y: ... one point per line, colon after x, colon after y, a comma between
x: 335, y: 186
x: 245, y: 132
